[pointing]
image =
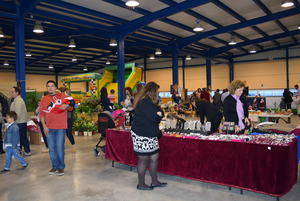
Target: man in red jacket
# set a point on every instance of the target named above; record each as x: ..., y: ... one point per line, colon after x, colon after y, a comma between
x: 53, y: 113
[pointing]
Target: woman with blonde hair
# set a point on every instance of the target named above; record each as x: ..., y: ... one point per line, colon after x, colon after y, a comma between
x: 145, y: 133
x: 235, y: 109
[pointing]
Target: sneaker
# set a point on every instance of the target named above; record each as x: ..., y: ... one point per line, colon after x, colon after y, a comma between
x: 60, y: 172
x: 24, y: 167
x: 27, y: 153
x: 4, y: 171
x: 52, y: 171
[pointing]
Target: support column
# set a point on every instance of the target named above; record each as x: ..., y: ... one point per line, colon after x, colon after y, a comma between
x: 208, y: 73
x: 183, y: 72
x: 287, y: 67
x: 56, y: 78
x: 231, y: 70
x: 20, y: 53
x: 175, y: 66
x: 121, y: 69
x: 145, y: 68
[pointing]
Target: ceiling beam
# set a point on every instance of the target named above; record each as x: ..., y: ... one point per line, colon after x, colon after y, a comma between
x: 268, y: 12
x: 220, y: 50
x: 189, y: 40
x: 139, y: 23
x: 269, y: 49
x: 239, y: 17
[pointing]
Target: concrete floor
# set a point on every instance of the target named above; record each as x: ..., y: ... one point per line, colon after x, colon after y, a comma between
x: 89, y: 178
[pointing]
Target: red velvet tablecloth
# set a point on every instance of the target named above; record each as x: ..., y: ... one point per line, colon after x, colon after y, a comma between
x: 260, y: 168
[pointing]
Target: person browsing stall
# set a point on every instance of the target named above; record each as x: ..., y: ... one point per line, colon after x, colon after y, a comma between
x: 145, y: 133
x: 235, y: 110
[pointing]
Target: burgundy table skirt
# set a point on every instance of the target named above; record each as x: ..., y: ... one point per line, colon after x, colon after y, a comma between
x: 260, y: 168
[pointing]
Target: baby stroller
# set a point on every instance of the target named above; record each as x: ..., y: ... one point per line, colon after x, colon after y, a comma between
x: 105, y: 121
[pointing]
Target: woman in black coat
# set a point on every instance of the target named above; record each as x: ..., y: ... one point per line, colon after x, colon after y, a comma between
x: 236, y: 108
x: 145, y: 133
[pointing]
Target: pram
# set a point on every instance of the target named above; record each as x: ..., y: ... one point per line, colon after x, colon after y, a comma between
x: 105, y: 121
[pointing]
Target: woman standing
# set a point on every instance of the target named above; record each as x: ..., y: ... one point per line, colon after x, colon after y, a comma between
x: 235, y: 109
x: 104, y: 100
x: 288, y: 98
x: 145, y: 133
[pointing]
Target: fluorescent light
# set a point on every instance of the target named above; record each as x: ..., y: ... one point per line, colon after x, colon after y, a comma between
x: 132, y: 3
x: 232, y: 41
x: 85, y: 69
x: 287, y: 3
x: 72, y: 44
x: 51, y: 66
x: 38, y: 28
x: 6, y: 63
x: 152, y: 57
x: 74, y: 59
x: 113, y: 43
x: 1, y: 33
x: 158, y: 51
x: 188, y: 58
x: 107, y: 62
x: 198, y: 28
x: 298, y: 27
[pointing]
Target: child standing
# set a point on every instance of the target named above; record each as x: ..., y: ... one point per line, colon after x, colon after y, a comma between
x: 12, y: 142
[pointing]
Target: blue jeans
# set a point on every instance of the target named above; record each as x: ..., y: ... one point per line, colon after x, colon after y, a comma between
x: 10, y: 152
x: 56, y: 143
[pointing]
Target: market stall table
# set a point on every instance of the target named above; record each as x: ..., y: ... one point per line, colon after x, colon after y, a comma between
x: 261, y: 168
x: 270, y: 117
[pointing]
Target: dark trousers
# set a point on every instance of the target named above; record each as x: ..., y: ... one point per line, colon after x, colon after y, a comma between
x: 215, y: 122
x: 24, y: 143
x: 288, y: 105
x: 43, y: 134
x: 69, y: 131
x: 1, y: 139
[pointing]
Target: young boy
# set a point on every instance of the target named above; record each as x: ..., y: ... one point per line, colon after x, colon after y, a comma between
x: 12, y: 142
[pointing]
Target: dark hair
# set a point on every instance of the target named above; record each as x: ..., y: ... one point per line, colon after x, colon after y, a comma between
x: 217, y: 90
x: 103, y: 92
x: 130, y: 90
x: 51, y: 81
x: 17, y: 89
x: 296, y: 86
x: 12, y: 114
x: 112, y: 91
x: 62, y: 89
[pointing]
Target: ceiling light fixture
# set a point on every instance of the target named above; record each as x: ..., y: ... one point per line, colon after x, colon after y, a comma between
x: 152, y: 57
x: 74, y: 59
x: 287, y: 3
x: 6, y: 63
x: 252, y: 51
x: 232, y: 41
x: 158, y: 51
x: 107, y: 62
x: 113, y: 43
x: 72, y: 43
x: 298, y: 27
x: 28, y: 54
x: 1, y: 33
x: 51, y: 66
x: 132, y: 3
x: 85, y: 69
x: 188, y: 58
x: 198, y: 27
x: 38, y: 28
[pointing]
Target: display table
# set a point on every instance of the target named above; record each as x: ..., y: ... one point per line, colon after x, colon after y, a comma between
x: 271, y: 117
x: 260, y: 168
